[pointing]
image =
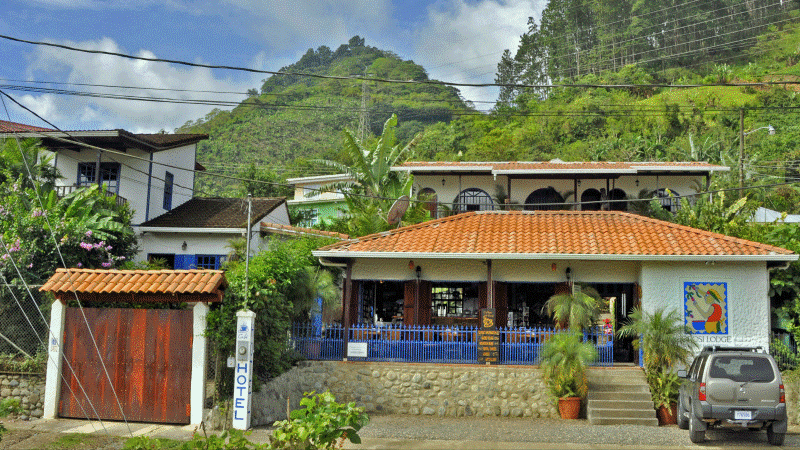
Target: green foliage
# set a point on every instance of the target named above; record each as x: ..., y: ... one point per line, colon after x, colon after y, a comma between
x: 10, y: 406
x: 283, y: 283
x: 20, y: 363
x: 564, y: 359
x: 322, y: 423
x: 664, y: 386
x: 375, y: 187
x: 786, y: 358
x: 150, y: 443
x: 664, y: 339
x: 716, y: 215
x: 576, y: 311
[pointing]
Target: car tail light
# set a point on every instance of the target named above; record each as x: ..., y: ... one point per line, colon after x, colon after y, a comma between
x: 783, y: 394
x: 702, y: 392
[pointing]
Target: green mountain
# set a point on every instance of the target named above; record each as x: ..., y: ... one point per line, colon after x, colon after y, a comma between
x: 297, y: 118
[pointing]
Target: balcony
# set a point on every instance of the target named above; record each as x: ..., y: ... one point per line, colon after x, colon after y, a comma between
x: 63, y: 191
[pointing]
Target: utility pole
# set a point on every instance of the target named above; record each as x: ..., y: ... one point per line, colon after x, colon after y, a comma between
x: 741, y: 151
x: 363, y: 120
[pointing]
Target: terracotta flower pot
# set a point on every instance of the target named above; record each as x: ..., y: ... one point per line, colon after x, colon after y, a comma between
x: 667, y: 416
x: 569, y: 407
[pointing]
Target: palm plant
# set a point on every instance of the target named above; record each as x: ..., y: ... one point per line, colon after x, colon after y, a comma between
x: 665, y: 340
x: 574, y: 311
x: 564, y: 359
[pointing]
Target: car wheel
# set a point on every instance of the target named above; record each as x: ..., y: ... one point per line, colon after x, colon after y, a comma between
x: 697, y: 429
x: 683, y: 419
x: 773, y: 437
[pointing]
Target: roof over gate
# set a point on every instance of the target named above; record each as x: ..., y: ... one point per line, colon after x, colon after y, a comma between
x: 591, y: 235
x: 137, y: 286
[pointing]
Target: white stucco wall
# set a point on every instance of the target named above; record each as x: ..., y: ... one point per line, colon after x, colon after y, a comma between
x: 521, y: 188
x: 134, y: 173
x: 747, y: 295
x: 183, y: 183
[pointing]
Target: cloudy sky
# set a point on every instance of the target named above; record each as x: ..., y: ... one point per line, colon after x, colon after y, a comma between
x: 455, y: 40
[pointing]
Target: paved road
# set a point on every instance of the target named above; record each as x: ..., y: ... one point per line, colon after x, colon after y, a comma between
x: 471, y: 433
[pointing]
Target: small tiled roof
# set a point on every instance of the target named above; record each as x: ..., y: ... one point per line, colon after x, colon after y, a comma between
x: 556, y: 166
x: 97, y: 281
x: 545, y: 234
x: 277, y: 228
x: 13, y: 127
x: 215, y: 212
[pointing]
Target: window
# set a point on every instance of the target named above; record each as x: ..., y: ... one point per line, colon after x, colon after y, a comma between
x: 670, y: 200
x: 473, y: 199
x: 591, y: 200
x: 454, y: 301
x: 209, y: 261
x: 169, y: 179
x: 544, y: 199
x: 431, y: 201
x: 109, y: 175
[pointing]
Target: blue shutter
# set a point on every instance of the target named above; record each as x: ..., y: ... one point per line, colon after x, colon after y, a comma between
x: 184, y: 262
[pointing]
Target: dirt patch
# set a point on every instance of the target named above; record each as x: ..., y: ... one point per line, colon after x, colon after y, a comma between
x: 33, y: 440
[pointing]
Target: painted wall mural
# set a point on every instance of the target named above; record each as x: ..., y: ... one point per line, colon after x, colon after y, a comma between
x: 706, y: 307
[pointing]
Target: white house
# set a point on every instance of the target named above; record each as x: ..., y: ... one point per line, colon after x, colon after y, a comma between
x: 153, y: 173
x: 197, y: 234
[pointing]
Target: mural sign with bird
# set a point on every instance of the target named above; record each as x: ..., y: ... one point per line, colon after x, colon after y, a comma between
x: 706, y: 307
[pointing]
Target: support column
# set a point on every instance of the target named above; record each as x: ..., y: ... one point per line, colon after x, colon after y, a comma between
x: 55, y: 355
x: 199, y: 358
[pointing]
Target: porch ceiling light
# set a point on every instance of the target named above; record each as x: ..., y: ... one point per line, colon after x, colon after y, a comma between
x: 183, y: 246
x: 419, y: 272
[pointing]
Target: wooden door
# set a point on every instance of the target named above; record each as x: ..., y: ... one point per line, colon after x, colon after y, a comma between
x: 147, y: 355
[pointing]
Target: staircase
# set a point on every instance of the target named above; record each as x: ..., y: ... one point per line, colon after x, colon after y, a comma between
x: 619, y: 396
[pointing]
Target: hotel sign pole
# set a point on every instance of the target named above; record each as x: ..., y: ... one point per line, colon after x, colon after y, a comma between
x: 243, y: 370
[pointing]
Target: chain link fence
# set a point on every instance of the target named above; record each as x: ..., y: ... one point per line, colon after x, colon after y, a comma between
x: 24, y: 320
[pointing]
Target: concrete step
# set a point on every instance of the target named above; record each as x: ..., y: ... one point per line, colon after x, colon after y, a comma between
x: 651, y: 422
x: 621, y: 404
x: 637, y: 388
x: 622, y: 413
x: 619, y: 396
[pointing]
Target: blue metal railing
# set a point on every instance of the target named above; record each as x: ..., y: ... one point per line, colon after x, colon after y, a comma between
x: 435, y: 344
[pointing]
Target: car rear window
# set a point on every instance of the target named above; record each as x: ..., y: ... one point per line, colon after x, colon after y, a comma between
x: 742, y: 369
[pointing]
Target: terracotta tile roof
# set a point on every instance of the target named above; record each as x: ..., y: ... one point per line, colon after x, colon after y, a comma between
x: 13, y: 127
x: 556, y: 166
x: 96, y: 281
x: 215, y: 212
x: 277, y: 228
x: 535, y: 234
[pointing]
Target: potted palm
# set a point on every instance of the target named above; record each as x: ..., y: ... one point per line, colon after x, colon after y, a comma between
x: 665, y: 342
x: 564, y: 359
x: 575, y: 310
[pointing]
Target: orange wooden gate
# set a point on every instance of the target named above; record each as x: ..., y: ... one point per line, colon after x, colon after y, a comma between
x: 148, y: 356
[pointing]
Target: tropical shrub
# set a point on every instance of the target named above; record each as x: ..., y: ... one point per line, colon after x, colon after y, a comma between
x: 322, y: 423
x: 564, y: 359
x: 574, y: 311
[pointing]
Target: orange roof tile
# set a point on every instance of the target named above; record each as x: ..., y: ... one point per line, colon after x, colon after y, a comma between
x: 535, y: 234
x: 556, y: 166
x: 268, y: 227
x: 97, y: 281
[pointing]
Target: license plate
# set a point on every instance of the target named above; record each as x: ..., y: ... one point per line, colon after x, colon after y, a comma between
x: 742, y: 415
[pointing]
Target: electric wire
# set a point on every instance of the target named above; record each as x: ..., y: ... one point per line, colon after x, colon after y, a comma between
x: 64, y: 264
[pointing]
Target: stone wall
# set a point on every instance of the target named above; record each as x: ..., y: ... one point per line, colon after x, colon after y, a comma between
x: 28, y: 389
x: 791, y: 383
x: 418, y: 389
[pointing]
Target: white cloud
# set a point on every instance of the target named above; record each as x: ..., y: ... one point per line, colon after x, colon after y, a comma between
x: 137, y: 116
x: 462, y: 41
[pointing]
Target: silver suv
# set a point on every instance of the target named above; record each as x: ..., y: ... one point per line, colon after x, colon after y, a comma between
x: 732, y: 386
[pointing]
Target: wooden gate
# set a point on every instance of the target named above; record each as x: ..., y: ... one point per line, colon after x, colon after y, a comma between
x: 148, y: 357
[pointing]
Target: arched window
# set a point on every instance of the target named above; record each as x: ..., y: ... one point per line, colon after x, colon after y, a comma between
x: 431, y: 201
x: 473, y: 199
x: 616, y: 197
x: 591, y: 200
x: 670, y: 199
x: 544, y: 199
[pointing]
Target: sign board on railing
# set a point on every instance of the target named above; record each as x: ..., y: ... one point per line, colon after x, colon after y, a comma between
x: 488, y: 338
x: 356, y: 349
